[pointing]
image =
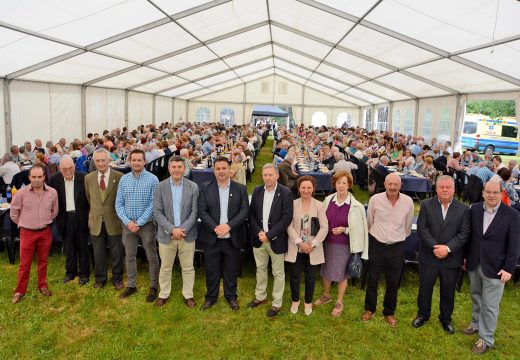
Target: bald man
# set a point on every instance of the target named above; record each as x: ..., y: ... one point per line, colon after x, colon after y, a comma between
x: 72, y: 220
x: 390, y: 216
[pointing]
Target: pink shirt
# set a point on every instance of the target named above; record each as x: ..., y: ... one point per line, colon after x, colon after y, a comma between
x: 387, y: 223
x: 32, y: 211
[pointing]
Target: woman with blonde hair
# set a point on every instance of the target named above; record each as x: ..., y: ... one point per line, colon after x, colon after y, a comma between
x: 305, y: 238
x: 347, y: 234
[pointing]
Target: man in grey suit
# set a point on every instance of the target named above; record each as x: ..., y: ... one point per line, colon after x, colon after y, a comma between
x: 223, y: 209
x: 175, y: 212
x: 443, y: 226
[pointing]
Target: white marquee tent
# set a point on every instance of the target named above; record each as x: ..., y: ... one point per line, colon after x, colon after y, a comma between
x: 71, y: 67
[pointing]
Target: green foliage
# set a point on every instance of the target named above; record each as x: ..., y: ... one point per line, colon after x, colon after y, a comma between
x: 492, y: 108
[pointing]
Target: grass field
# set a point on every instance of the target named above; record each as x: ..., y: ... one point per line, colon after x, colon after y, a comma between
x: 79, y: 322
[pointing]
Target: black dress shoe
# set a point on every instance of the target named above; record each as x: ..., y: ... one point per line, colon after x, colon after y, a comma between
x: 99, y: 284
x: 83, y: 281
x: 233, y: 304
x: 419, y: 321
x: 128, y: 291
x: 206, y: 305
x: 67, y: 279
x: 273, y: 311
x: 448, y: 327
x: 152, y: 295
x: 254, y: 303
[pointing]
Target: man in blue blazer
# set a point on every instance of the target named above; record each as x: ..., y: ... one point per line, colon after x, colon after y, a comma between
x: 491, y: 260
x: 175, y: 213
x: 223, y: 207
x: 443, y: 226
x: 271, y: 212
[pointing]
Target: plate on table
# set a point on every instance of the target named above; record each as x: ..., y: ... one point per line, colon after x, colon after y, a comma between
x: 4, y: 206
x: 399, y: 173
x: 517, y: 187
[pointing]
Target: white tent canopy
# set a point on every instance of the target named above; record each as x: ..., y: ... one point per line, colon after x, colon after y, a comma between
x: 354, y: 53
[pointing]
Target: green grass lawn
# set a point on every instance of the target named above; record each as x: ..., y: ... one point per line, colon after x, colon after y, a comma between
x: 79, y: 322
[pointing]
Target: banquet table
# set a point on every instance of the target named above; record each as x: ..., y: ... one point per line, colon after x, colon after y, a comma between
x: 200, y: 176
x: 323, y: 180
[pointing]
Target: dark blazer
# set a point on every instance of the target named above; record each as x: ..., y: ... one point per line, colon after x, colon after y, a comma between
x: 433, y: 230
x: 209, y: 212
x: 382, y: 170
x: 57, y: 182
x: 287, y: 175
x: 499, y: 247
x: 280, y: 217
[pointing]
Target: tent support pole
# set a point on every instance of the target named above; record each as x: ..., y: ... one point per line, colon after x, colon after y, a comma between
x: 83, y: 111
x: 7, y: 115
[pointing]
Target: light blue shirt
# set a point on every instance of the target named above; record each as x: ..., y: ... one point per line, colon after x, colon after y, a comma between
x: 134, y: 200
x: 223, y: 194
x: 176, y: 200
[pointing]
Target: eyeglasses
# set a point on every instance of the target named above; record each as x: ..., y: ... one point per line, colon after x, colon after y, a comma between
x: 489, y: 192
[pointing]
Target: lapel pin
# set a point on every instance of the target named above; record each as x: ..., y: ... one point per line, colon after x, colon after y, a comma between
x: 230, y: 194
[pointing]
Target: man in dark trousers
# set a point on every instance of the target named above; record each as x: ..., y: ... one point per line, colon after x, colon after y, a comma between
x: 491, y: 260
x: 223, y: 209
x: 72, y: 220
x: 443, y: 226
x: 271, y: 212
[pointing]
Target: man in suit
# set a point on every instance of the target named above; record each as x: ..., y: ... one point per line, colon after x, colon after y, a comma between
x: 175, y: 213
x: 271, y: 212
x: 491, y: 260
x: 105, y: 227
x: 223, y: 209
x: 443, y: 226
x: 72, y: 220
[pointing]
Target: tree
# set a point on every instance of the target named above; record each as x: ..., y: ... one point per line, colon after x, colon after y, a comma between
x: 492, y: 108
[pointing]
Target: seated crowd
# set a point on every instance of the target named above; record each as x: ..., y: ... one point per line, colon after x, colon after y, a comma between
x: 168, y: 217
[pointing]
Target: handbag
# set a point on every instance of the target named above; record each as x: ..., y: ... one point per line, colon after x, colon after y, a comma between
x: 354, y: 266
x: 315, y: 226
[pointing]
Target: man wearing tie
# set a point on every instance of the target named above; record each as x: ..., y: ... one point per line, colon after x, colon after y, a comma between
x: 175, y: 212
x: 271, y: 213
x: 223, y: 209
x: 72, y: 220
x: 491, y: 260
x: 105, y: 226
x: 443, y: 226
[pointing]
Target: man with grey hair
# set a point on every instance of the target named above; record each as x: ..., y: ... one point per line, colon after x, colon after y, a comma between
x: 343, y: 165
x: 8, y: 170
x: 72, y: 220
x: 185, y: 155
x: 15, y: 152
x: 271, y: 212
x: 105, y: 227
x: 444, y: 228
x: 287, y: 175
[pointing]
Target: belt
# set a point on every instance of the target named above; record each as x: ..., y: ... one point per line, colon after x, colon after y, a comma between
x: 71, y: 212
x: 385, y: 244
x: 36, y: 230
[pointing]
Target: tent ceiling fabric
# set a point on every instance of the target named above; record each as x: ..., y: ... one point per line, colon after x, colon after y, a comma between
x: 362, y: 52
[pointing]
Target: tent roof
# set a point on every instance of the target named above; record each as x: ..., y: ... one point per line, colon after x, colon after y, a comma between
x: 267, y: 110
x: 364, y: 52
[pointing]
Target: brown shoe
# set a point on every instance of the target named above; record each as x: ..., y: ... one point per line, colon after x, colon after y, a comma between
x: 323, y: 300
x: 160, y: 302
x: 118, y: 285
x: 480, y: 347
x: 45, y: 291
x: 17, y: 298
x: 391, y: 320
x: 338, y: 310
x: 367, y: 315
x: 470, y: 331
x: 190, y: 303
x: 99, y: 284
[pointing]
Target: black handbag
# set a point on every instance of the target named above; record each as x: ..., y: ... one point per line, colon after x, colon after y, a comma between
x: 354, y: 266
x: 315, y: 226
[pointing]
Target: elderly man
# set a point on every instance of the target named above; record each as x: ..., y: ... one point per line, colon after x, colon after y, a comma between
x: 389, y: 217
x: 72, y: 220
x: 485, y: 172
x: 491, y: 260
x: 15, y: 152
x: 134, y: 206
x: 175, y: 212
x: 382, y: 166
x: 287, y: 175
x: 343, y: 165
x: 271, y: 212
x: 8, y: 170
x: 188, y: 165
x: 443, y: 226
x: 105, y: 227
x: 33, y: 209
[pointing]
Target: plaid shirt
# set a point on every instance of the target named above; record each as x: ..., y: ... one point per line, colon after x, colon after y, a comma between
x: 134, y: 199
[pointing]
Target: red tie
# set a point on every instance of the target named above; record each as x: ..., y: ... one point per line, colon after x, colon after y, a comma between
x: 102, y: 184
